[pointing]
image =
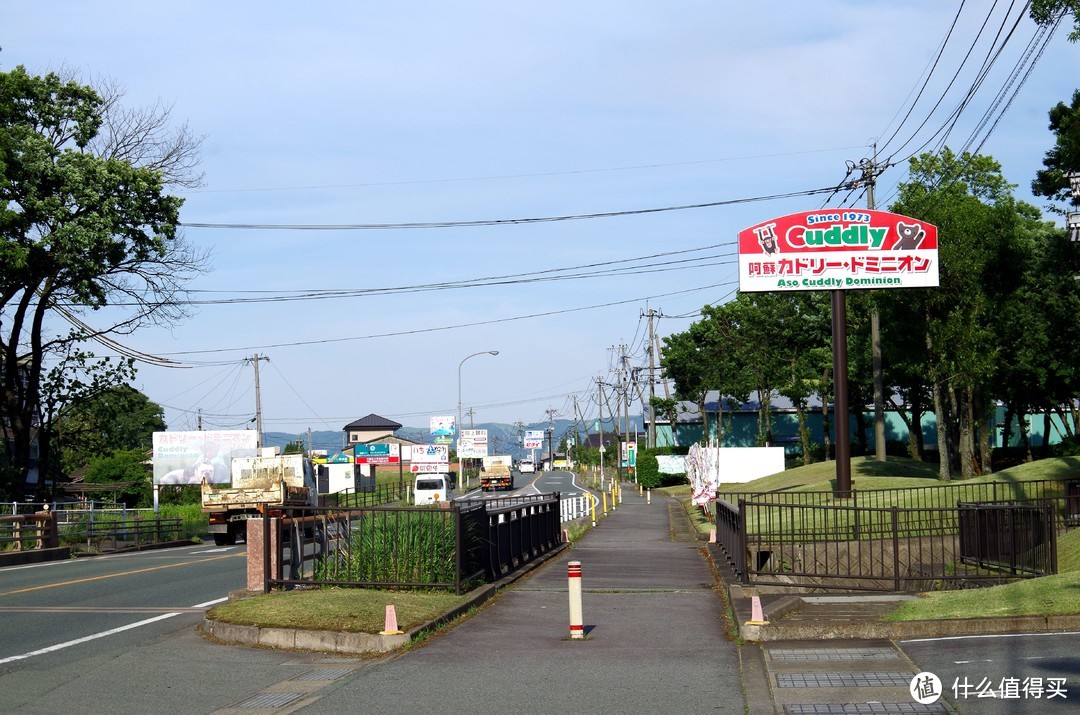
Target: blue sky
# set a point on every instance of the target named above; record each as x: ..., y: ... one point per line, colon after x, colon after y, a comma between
x: 364, y: 113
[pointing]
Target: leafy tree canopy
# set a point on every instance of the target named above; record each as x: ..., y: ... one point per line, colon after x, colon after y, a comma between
x: 1064, y: 157
x: 1047, y: 12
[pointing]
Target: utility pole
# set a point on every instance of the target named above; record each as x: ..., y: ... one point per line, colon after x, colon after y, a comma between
x: 600, y: 402
x: 652, y: 382
x: 551, y: 438
x: 870, y: 170
x: 258, y: 400
x: 200, y: 419
x: 626, y: 405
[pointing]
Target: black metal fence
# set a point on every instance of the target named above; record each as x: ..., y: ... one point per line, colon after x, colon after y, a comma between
x: 798, y: 539
x: 380, y: 495
x: 1020, y: 538
x: 449, y: 547
x: 1064, y: 493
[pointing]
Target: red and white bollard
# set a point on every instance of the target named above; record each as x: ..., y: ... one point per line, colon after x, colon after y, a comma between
x: 573, y: 575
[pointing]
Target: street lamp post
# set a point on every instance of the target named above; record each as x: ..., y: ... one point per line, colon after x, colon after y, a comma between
x: 482, y: 352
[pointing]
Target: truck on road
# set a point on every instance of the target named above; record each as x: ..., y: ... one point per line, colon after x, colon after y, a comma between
x: 496, y: 473
x: 269, y: 481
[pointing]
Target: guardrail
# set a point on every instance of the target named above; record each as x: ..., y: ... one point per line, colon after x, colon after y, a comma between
x: 26, y: 532
x: 577, y: 506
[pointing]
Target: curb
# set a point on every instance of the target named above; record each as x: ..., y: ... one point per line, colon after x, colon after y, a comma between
x: 872, y: 627
x: 906, y: 630
x: 299, y: 639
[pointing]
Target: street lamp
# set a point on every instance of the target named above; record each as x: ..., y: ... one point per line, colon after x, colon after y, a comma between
x: 485, y: 352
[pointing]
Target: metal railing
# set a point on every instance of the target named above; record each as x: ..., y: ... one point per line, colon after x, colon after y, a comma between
x: 89, y: 525
x: 871, y: 548
x: 575, y: 506
x: 1065, y: 493
x: 1020, y: 538
x: 408, y: 547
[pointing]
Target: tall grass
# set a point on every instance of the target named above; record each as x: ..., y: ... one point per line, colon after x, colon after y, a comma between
x: 396, y: 546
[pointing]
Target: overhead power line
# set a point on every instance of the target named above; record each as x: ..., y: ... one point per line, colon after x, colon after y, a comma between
x: 420, y: 331
x: 495, y: 222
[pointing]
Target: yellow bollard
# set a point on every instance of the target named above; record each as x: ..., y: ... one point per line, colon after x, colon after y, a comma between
x: 604, y: 495
x: 648, y: 497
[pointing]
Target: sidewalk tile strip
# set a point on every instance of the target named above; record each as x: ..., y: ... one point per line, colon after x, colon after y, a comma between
x: 270, y: 700
x: 865, y: 708
x: 797, y: 654
x: 842, y: 680
x: 325, y: 674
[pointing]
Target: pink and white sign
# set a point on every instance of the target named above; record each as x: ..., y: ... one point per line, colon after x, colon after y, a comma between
x: 838, y: 249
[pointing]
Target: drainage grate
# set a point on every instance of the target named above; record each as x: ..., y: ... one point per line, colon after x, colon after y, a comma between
x: 324, y: 674
x: 865, y: 709
x: 270, y: 700
x: 842, y: 680
x: 789, y: 654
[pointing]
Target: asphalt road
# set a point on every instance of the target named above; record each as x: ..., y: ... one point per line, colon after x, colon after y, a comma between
x: 1035, y: 673
x: 116, y: 634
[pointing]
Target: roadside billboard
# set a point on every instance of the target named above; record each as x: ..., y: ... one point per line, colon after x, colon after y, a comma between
x: 189, y: 457
x: 534, y: 439
x: 389, y: 453
x: 472, y: 444
x: 442, y: 426
x: 428, y: 458
x: 838, y: 249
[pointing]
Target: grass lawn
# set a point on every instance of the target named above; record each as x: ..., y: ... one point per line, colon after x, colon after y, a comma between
x: 349, y: 610
x: 1049, y: 595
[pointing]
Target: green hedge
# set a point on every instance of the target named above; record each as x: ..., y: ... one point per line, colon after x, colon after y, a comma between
x: 648, y: 468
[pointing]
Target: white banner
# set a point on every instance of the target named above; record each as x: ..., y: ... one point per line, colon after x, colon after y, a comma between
x: 190, y: 457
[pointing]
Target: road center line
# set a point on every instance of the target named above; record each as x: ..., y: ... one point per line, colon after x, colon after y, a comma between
x: 114, y: 575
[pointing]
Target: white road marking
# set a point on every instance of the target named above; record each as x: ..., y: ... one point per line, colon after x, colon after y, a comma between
x: 103, y: 634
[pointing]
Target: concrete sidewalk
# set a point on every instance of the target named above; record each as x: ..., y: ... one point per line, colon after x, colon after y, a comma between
x: 656, y: 638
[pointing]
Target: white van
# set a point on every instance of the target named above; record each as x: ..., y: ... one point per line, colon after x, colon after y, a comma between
x: 432, y: 488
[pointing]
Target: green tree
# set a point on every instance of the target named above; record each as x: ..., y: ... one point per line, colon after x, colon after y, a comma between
x: 978, y: 224
x: 85, y: 223
x: 118, y: 417
x: 127, y: 466
x: 685, y: 360
x: 1064, y: 158
x: 1047, y: 12
x: 668, y: 408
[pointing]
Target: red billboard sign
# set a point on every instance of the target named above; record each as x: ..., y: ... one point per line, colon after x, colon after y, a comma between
x: 838, y: 249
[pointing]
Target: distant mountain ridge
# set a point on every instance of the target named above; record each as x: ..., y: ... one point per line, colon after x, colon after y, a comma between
x: 502, y: 437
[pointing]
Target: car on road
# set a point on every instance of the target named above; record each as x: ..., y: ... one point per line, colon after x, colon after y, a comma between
x: 526, y: 466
